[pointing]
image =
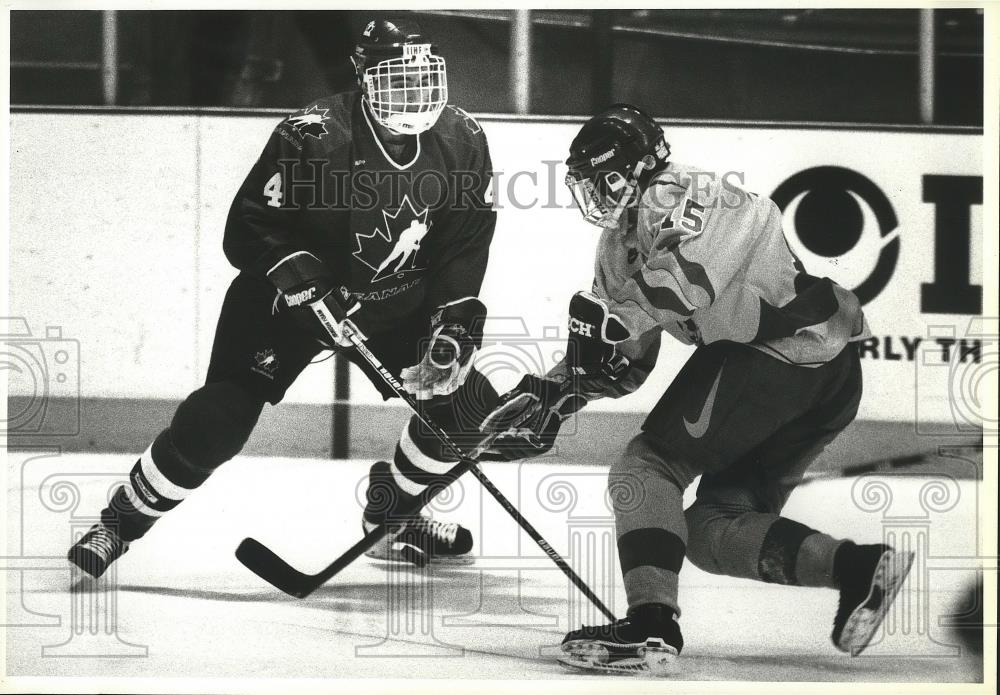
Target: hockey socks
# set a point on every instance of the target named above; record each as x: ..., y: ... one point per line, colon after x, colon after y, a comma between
x: 394, y: 487
x: 150, y: 491
x: 209, y: 427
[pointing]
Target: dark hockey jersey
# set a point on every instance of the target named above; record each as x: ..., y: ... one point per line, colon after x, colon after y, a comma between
x: 403, y: 237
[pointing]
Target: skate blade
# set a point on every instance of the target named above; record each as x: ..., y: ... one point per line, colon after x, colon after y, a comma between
x: 861, y: 625
x: 397, y: 558
x: 452, y: 560
x: 655, y: 659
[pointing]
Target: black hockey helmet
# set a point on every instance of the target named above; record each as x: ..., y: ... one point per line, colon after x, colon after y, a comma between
x: 611, y: 159
x: 401, y: 74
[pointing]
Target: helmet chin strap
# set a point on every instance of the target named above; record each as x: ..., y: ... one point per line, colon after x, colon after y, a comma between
x: 399, y: 123
x: 612, y: 219
x: 406, y: 109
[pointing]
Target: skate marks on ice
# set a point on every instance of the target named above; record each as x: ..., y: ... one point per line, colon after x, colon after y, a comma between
x: 342, y: 632
x: 179, y: 604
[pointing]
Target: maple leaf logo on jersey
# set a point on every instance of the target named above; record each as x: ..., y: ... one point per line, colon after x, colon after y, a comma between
x: 311, y: 122
x: 267, y: 363
x: 394, y: 249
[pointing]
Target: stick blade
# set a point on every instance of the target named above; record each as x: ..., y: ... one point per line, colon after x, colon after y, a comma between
x: 263, y: 562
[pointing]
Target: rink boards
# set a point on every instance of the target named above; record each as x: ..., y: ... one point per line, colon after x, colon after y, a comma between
x: 127, y: 210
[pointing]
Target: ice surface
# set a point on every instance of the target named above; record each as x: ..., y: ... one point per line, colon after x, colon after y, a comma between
x: 179, y: 604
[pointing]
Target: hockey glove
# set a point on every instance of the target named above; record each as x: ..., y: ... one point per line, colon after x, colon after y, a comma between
x: 542, y: 405
x: 305, y: 285
x: 593, y: 334
x: 456, y: 336
x: 529, y: 418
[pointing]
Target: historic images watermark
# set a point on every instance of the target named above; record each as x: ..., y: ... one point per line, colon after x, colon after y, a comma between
x: 313, y: 185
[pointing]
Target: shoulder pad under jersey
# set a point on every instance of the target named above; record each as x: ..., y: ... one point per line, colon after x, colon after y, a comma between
x: 456, y: 125
x: 323, y: 124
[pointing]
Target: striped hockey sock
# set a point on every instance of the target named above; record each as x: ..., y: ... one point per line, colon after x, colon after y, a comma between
x: 159, y: 481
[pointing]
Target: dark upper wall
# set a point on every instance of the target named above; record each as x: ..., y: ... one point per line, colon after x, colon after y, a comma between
x: 831, y: 65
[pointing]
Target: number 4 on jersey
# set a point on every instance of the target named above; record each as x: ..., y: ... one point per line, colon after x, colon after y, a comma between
x: 272, y: 191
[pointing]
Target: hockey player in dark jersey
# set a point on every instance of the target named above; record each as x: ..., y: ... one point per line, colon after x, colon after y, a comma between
x: 774, y: 378
x: 375, y: 203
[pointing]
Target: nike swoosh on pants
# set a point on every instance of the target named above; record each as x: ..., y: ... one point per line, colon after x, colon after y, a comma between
x: 699, y: 427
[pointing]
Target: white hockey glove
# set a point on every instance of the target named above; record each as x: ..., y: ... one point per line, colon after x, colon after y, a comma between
x: 456, y: 336
x: 307, y: 290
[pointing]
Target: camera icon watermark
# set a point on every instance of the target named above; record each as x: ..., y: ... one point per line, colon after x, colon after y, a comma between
x: 953, y: 371
x: 43, y: 378
x: 510, y: 351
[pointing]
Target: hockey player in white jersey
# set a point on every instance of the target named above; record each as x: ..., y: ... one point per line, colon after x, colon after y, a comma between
x: 775, y: 377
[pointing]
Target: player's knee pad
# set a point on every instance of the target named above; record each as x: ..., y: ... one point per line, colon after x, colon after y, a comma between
x: 725, y: 542
x: 625, y: 479
x: 710, y: 520
x: 704, y: 526
x: 711, y: 517
x: 739, y: 541
x: 744, y: 491
x: 729, y: 499
x: 646, y: 456
x: 214, y: 422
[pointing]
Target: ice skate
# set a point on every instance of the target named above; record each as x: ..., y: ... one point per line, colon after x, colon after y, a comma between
x: 424, y: 540
x: 97, y: 549
x: 646, y: 642
x: 869, y: 577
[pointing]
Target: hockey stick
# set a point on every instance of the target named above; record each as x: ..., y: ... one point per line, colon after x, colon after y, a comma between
x: 268, y: 566
x: 891, y: 465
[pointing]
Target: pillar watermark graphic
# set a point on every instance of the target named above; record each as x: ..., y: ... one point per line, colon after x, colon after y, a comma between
x: 953, y: 368
x: 410, y: 609
x: 936, y: 519
x: 81, y: 617
x: 501, y: 588
x: 590, y: 539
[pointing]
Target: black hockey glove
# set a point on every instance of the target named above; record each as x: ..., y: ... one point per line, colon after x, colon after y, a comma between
x: 593, y: 334
x: 456, y: 334
x: 304, y: 285
x: 530, y: 416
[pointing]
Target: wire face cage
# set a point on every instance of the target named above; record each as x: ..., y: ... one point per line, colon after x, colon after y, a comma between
x: 602, y: 202
x: 408, y: 93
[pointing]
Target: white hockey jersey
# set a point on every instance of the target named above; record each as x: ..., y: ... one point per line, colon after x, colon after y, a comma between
x: 706, y: 262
